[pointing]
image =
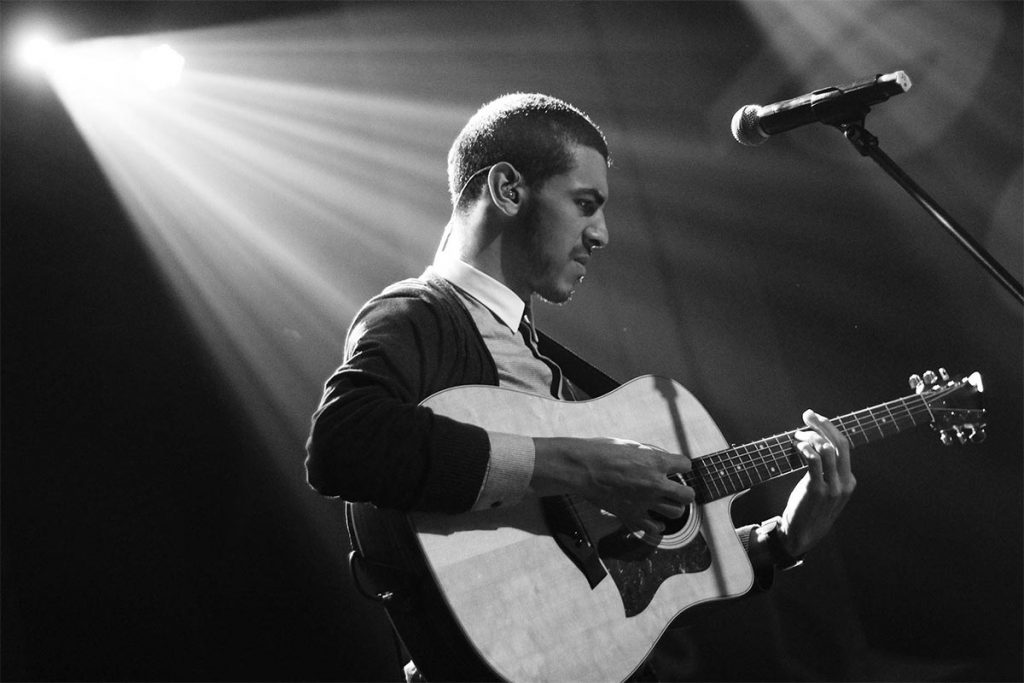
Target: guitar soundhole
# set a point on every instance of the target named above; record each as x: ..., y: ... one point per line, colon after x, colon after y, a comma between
x: 673, y: 526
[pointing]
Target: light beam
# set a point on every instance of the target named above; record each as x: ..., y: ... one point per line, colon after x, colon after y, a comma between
x: 159, y: 67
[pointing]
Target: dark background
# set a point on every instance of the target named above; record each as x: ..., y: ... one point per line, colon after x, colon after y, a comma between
x: 148, y: 536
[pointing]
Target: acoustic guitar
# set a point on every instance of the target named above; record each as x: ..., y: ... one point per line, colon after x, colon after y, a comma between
x: 559, y: 590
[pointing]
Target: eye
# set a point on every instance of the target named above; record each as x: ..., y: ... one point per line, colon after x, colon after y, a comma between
x: 587, y: 206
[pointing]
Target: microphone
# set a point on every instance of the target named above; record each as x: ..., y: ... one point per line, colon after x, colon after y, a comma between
x: 753, y: 124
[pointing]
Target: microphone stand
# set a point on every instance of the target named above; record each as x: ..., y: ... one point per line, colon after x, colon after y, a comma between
x: 867, y: 145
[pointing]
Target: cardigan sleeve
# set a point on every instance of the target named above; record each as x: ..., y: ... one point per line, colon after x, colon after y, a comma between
x: 371, y: 440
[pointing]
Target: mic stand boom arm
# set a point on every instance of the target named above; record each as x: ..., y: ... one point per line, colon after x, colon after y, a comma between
x: 867, y: 145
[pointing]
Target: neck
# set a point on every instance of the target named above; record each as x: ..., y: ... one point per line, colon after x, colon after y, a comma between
x: 475, y: 238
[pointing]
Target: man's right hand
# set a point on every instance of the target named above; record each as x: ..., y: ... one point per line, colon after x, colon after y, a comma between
x: 626, y: 478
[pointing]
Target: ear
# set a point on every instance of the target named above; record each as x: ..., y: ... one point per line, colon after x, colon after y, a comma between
x: 506, y: 188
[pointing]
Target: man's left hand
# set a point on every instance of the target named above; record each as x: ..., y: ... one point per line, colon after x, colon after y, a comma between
x: 816, y: 501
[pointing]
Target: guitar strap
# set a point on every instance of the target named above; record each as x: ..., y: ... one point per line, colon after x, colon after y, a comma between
x: 591, y: 379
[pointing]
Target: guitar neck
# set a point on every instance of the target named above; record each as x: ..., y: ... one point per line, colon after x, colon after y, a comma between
x: 739, y: 468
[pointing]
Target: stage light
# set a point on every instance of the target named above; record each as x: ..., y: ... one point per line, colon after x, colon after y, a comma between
x: 36, y: 51
x: 272, y: 192
x: 159, y: 67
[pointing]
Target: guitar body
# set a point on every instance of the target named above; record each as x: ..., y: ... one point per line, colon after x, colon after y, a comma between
x: 524, y: 607
x: 557, y: 590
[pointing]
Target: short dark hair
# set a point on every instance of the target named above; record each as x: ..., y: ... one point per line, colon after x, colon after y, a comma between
x: 533, y: 132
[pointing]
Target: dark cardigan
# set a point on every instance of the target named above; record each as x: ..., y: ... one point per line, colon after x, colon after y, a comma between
x: 370, y: 439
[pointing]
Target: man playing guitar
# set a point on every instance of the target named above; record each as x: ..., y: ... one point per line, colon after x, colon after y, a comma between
x: 528, y: 182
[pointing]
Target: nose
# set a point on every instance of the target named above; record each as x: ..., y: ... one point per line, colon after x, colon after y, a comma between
x: 595, y: 235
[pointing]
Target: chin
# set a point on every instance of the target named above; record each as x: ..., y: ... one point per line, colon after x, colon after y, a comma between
x: 558, y: 287
x: 558, y: 296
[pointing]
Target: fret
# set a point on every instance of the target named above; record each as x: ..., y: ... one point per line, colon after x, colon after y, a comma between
x: 871, y: 423
x: 697, y: 479
x: 723, y: 472
x: 755, y: 463
x: 763, y: 465
x: 731, y: 479
x: 739, y: 465
x: 877, y: 422
x: 927, y: 409
x: 891, y: 419
x: 901, y: 419
x: 742, y: 467
x: 776, y: 463
x: 767, y: 461
x: 773, y: 467
x: 718, y: 473
x: 859, y: 433
x: 709, y: 478
x: 792, y: 456
x: 909, y: 412
x: 850, y: 425
x: 735, y: 468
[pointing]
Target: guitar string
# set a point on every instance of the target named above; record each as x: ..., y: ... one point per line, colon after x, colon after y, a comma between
x: 857, y: 429
x: 770, y: 453
x: 854, y: 423
x: 728, y: 480
x: 761, y: 461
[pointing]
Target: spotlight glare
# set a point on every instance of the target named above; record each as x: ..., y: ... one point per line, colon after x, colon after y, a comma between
x: 36, y: 51
x: 160, y: 67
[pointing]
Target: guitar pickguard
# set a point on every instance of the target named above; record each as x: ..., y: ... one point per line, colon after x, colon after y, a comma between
x: 638, y: 568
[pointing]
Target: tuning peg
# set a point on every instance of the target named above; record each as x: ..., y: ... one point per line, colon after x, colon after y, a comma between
x: 943, y: 374
x: 916, y: 382
x: 952, y: 435
x: 962, y: 434
x: 930, y: 377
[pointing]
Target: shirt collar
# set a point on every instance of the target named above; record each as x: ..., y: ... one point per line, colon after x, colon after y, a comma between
x: 501, y: 300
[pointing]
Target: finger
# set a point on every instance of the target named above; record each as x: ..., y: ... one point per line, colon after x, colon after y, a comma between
x: 675, y: 463
x: 669, y: 510
x: 678, y: 493
x: 812, y: 440
x: 840, y: 445
x: 820, y: 425
x: 651, y: 526
x: 828, y: 430
x: 807, y: 436
x: 844, y: 463
x: 829, y: 465
x: 813, y: 459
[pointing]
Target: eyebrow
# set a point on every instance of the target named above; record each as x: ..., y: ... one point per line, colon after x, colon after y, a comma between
x: 595, y: 194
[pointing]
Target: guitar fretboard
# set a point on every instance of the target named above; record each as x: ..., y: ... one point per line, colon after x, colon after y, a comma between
x: 739, y: 468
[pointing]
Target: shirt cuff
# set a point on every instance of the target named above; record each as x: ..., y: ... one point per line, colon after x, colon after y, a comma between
x: 764, y: 570
x: 509, y: 471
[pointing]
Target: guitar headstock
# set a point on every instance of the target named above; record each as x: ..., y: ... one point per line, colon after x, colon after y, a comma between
x: 954, y: 405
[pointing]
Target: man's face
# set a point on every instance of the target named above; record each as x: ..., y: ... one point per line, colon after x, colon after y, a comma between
x: 564, y: 221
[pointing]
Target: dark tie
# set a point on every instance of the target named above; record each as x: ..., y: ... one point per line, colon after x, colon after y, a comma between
x: 530, y: 338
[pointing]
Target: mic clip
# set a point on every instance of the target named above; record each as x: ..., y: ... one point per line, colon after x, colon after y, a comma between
x: 832, y: 108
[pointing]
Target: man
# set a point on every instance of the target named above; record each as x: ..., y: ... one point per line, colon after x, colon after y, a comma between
x: 528, y: 183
